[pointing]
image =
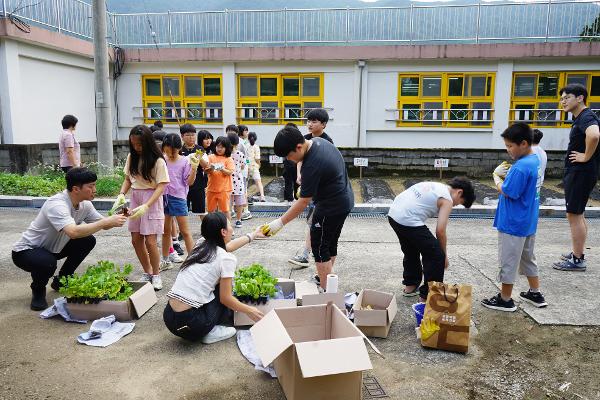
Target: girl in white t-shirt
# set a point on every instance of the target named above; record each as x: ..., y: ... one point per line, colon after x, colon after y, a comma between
x: 202, y: 291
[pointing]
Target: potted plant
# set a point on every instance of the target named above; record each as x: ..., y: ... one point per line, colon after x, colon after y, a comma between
x: 103, y: 281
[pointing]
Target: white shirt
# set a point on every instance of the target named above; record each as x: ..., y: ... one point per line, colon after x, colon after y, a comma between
x: 541, y: 154
x: 56, y: 213
x: 418, y: 203
x: 195, y: 285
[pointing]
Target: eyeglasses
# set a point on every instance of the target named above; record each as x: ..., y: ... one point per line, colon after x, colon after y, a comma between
x: 565, y: 98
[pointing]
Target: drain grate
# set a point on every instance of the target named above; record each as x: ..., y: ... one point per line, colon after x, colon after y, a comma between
x: 372, y: 388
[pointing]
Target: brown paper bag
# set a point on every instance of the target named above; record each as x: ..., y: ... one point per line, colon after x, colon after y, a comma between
x: 447, y: 317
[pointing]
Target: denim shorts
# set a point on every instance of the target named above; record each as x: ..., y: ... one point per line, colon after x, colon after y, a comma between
x: 175, y: 207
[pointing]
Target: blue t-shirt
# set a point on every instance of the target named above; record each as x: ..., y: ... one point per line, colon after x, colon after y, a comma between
x: 518, y: 208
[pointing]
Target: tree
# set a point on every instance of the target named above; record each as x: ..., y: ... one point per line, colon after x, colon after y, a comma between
x: 593, y: 30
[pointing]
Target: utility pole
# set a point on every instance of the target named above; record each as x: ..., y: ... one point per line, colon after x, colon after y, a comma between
x: 102, y: 87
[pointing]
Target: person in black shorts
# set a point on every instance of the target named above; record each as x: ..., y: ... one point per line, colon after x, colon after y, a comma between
x: 325, y: 182
x: 581, y: 171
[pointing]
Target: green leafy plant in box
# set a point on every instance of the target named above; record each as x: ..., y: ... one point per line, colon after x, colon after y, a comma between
x: 103, y: 281
x: 254, y: 284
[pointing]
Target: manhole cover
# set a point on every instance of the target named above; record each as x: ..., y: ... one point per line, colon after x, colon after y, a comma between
x: 372, y: 389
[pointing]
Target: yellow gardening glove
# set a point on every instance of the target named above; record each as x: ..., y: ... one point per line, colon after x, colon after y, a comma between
x: 428, y: 328
x: 497, y: 179
x: 194, y: 161
x: 502, y: 169
x: 118, y: 203
x: 272, y: 227
x: 139, y: 211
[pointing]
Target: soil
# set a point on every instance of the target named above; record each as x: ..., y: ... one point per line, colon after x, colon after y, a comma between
x: 375, y: 190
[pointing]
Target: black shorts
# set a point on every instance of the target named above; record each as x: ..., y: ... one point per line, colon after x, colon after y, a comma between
x: 578, y: 186
x: 325, y: 231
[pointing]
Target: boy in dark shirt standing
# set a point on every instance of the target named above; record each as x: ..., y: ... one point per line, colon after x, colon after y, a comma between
x: 581, y: 171
x: 516, y: 219
x: 325, y: 182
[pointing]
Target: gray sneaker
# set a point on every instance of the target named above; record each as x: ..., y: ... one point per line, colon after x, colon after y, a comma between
x: 299, y: 260
x: 570, y: 265
x: 566, y: 256
x: 246, y: 216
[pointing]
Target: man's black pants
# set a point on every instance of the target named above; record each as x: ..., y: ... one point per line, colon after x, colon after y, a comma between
x: 41, y: 263
x: 417, y: 242
x: 290, y: 174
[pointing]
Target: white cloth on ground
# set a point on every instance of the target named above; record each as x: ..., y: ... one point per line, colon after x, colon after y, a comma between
x: 105, y: 331
x: 246, y: 345
x: 60, y: 308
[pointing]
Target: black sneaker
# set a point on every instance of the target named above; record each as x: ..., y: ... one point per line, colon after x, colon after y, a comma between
x: 55, y: 285
x: 180, y: 237
x: 535, y: 298
x: 177, y: 247
x: 496, y: 303
x: 316, y: 280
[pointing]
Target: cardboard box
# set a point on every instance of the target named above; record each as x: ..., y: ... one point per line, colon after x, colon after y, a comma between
x: 375, y: 322
x: 142, y: 299
x: 316, y: 351
x: 288, y: 286
x: 324, y: 298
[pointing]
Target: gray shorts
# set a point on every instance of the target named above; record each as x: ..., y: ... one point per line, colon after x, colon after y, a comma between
x: 515, y: 253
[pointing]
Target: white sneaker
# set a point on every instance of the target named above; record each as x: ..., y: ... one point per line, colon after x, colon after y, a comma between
x: 165, y: 265
x: 174, y: 257
x: 146, y: 277
x: 218, y: 333
x: 156, y: 282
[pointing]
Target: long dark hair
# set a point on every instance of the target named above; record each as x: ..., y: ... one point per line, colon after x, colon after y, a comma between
x: 206, y: 250
x: 150, y: 153
x: 204, y: 134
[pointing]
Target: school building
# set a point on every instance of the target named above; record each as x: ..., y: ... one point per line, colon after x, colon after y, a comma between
x: 387, y: 82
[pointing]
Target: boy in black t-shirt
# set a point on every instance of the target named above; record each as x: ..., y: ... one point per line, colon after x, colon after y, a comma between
x: 325, y: 182
x: 581, y: 171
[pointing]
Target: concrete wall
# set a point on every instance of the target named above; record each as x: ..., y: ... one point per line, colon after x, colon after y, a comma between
x: 39, y: 87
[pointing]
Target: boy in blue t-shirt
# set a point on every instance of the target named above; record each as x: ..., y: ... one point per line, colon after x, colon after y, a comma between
x: 516, y: 219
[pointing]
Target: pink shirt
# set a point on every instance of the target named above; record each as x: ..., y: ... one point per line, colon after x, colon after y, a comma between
x: 66, y: 140
x: 179, y: 172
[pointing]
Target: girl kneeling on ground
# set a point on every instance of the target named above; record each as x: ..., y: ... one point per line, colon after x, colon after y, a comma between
x: 202, y: 292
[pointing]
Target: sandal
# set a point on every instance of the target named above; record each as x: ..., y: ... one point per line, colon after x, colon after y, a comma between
x: 412, y: 293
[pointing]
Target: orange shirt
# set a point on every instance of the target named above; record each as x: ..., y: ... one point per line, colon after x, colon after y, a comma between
x: 217, y: 180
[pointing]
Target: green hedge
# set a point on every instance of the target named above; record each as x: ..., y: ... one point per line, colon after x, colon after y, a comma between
x: 51, y: 183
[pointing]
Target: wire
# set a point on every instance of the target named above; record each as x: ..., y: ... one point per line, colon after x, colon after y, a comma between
x: 118, y: 62
x: 18, y: 22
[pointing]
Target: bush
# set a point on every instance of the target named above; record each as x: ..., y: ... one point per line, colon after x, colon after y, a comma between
x: 49, y: 183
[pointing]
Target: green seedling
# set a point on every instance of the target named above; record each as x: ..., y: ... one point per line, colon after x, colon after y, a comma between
x: 103, y: 281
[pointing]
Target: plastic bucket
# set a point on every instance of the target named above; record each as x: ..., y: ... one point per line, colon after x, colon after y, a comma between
x: 419, y: 310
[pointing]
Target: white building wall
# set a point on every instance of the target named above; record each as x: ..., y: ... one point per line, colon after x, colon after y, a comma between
x: 41, y: 86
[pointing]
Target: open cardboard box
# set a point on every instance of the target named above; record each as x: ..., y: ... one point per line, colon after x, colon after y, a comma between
x: 324, y: 298
x: 142, y: 299
x: 316, y: 351
x: 375, y: 322
x: 288, y: 286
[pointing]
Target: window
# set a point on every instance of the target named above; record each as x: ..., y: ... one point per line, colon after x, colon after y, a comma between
x: 277, y: 98
x: 446, y: 99
x: 535, y: 96
x: 194, y: 98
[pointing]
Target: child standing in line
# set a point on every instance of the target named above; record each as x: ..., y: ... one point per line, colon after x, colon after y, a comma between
x: 254, y: 167
x: 516, y: 219
x: 219, y: 170
x: 146, y: 174
x: 194, y: 201
x: 541, y: 154
x: 245, y: 148
x: 205, y: 141
x: 239, y: 185
x: 182, y: 173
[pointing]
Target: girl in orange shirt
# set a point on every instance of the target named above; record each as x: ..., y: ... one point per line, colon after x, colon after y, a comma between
x: 219, y: 170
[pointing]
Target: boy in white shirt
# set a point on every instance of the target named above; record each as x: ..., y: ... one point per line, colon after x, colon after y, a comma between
x: 425, y: 257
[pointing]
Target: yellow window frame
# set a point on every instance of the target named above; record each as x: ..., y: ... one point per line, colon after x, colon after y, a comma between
x: 445, y: 98
x: 280, y: 99
x: 183, y: 100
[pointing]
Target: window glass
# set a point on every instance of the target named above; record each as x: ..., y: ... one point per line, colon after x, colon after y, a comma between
x: 268, y: 111
x: 171, y: 86
x: 291, y: 87
x: 476, y: 86
x: 248, y: 86
x: 410, y: 112
x: 552, y: 115
x: 479, y: 112
x: 432, y: 112
x: 595, y: 91
x: 268, y: 86
x: 153, y: 87
x: 293, y: 111
x: 488, y: 90
x: 455, y: 86
x: 525, y: 86
x: 214, y: 111
x: 193, y: 86
x: 432, y: 87
x: 310, y: 86
x: 194, y: 110
x: 249, y: 111
x: 524, y: 114
x: 155, y: 110
x: 459, y: 112
x: 548, y: 86
x: 212, y: 87
x: 409, y: 86
x: 581, y: 79
x: 173, y: 110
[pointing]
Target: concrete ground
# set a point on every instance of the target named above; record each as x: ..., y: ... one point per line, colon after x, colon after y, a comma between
x: 531, y: 354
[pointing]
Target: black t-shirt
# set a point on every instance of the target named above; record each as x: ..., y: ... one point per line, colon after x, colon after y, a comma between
x: 583, y: 121
x: 200, y: 173
x: 325, y: 179
x: 323, y: 136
